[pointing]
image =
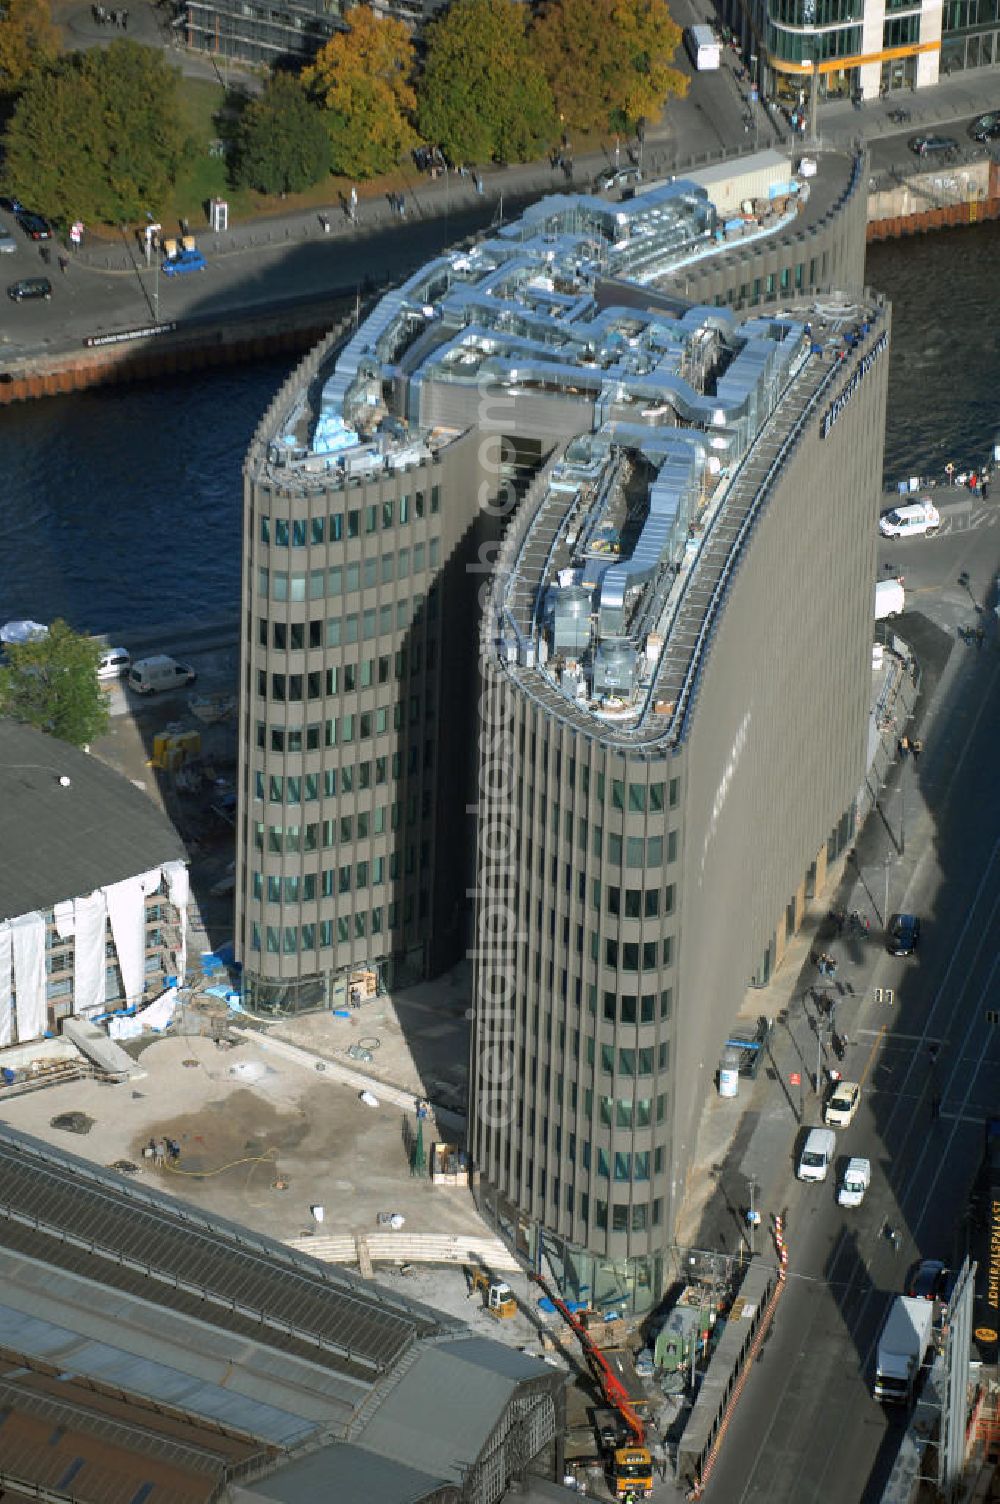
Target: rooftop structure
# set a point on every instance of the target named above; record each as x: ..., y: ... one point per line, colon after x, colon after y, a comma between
x: 152, y: 1350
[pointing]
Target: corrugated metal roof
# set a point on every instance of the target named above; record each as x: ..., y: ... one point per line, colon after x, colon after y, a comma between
x: 36, y: 1338
x: 60, y: 842
x: 441, y: 1414
x: 102, y: 1227
x: 347, y: 1474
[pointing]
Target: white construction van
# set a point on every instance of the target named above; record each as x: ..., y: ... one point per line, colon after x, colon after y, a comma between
x: 890, y: 599
x: 149, y: 675
x: 817, y: 1154
x: 704, y: 49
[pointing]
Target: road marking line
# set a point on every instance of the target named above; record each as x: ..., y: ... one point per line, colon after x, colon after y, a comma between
x: 871, y: 1055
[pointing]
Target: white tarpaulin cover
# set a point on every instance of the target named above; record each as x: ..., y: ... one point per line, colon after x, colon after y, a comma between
x: 127, y: 912
x: 89, y: 964
x: 157, y: 1016
x: 28, y: 934
x: 5, y: 948
x: 22, y: 631
x: 178, y: 889
x: 65, y: 924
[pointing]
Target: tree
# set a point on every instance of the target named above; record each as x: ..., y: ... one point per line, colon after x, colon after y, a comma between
x: 28, y: 41
x: 51, y: 683
x: 97, y: 135
x: 609, y: 61
x: 282, y: 142
x: 483, y: 95
x: 362, y: 80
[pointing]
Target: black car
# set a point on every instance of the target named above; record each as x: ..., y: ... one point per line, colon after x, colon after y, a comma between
x: 928, y: 1279
x: 932, y: 146
x: 29, y: 288
x: 903, y: 935
x: 34, y: 226
x: 985, y: 127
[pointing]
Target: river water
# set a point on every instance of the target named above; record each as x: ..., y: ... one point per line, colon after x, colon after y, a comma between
x: 120, y: 507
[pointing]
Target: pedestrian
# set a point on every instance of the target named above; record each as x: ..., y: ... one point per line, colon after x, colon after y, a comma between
x: 402, y: 207
x: 916, y: 747
x: 984, y: 490
x: 45, y: 254
x: 980, y: 637
x: 63, y: 264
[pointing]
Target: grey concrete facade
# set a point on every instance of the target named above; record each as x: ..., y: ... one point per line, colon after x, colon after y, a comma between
x: 611, y: 1049
x: 607, y: 982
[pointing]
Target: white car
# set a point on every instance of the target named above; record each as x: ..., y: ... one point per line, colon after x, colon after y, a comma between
x: 113, y: 663
x: 914, y: 519
x: 842, y: 1105
x: 817, y: 1154
x: 857, y: 1179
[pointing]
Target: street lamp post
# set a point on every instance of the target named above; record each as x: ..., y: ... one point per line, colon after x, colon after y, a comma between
x: 887, y: 860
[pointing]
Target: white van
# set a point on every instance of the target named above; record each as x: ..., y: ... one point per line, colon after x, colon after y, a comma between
x: 890, y: 599
x: 911, y: 521
x: 148, y: 675
x: 817, y: 1154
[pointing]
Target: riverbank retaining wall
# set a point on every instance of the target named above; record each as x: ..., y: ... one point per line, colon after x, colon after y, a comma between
x: 143, y: 354
x: 951, y: 195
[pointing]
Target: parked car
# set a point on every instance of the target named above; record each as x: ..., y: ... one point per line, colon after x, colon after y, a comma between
x: 932, y: 146
x: 618, y: 177
x: 8, y: 245
x: 927, y: 1280
x: 985, y: 127
x: 30, y: 288
x: 843, y: 1104
x: 913, y: 520
x: 903, y: 934
x: 183, y: 262
x: 34, y: 226
x: 113, y: 663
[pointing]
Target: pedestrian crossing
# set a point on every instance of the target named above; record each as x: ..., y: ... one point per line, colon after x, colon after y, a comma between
x: 968, y: 519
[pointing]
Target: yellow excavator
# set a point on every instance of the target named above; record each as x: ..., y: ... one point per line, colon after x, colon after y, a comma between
x: 498, y: 1297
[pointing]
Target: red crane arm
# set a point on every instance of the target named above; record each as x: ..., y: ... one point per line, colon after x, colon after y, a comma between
x: 612, y: 1388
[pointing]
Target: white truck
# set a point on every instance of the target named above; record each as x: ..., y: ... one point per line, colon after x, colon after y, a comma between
x: 902, y: 1348
x: 703, y: 48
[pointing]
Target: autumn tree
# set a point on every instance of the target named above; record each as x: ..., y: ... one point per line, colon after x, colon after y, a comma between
x: 282, y: 144
x: 51, y: 682
x: 362, y: 80
x: 482, y: 94
x: 609, y: 62
x: 97, y: 135
x: 28, y: 41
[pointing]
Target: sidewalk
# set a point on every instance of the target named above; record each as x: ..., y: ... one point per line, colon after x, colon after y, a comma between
x: 840, y: 126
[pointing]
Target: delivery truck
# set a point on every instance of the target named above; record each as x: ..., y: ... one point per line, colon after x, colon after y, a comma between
x: 902, y: 1348
x: 703, y: 48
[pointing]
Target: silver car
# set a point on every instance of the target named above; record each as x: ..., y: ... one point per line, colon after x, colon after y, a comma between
x: 8, y: 245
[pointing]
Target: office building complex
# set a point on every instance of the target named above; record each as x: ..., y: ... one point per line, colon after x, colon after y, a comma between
x: 544, y: 541
x: 860, y: 48
x: 241, y: 31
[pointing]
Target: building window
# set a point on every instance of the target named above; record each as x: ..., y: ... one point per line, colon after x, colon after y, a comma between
x: 619, y: 1218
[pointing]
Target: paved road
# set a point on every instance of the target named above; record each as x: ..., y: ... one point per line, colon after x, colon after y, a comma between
x: 290, y: 258
x: 807, y: 1428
